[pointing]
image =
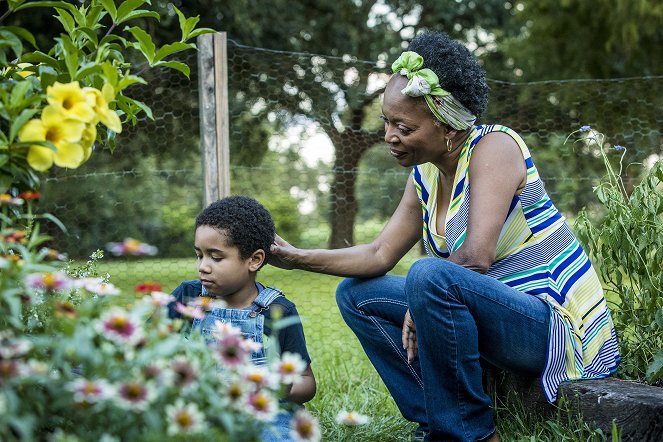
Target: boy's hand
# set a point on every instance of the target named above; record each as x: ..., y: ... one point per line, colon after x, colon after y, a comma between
x: 409, y: 337
x: 283, y: 254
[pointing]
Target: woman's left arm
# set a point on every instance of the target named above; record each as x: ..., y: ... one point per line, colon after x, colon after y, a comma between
x: 497, y: 173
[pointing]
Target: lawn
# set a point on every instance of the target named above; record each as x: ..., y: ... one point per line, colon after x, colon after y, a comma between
x: 346, y: 379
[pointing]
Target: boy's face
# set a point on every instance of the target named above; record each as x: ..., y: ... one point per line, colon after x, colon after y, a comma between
x: 221, y: 269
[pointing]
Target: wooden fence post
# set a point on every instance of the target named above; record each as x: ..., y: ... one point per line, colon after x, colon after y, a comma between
x: 214, y: 118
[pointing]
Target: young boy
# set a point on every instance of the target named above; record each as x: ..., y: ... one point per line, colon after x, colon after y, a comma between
x: 232, y: 242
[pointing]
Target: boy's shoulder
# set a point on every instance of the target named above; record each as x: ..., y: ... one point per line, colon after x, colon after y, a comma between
x: 189, y: 288
x: 286, y: 305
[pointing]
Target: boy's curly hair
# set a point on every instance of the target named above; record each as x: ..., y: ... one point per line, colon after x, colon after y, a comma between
x: 245, y: 222
x: 457, y: 69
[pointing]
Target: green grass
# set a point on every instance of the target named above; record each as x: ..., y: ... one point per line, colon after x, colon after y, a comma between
x: 346, y: 379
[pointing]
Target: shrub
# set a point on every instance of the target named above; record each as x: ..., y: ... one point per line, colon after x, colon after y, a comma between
x: 626, y: 244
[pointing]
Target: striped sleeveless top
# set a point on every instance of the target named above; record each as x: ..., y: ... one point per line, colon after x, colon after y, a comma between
x: 538, y: 255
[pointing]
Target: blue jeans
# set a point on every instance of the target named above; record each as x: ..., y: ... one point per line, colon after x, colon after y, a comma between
x: 461, y: 317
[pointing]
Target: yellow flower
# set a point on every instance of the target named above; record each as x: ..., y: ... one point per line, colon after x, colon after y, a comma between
x: 99, y: 101
x: 87, y: 140
x: 70, y: 99
x: 64, y: 133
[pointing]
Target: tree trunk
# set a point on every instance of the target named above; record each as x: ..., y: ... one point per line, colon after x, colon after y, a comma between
x: 349, y: 147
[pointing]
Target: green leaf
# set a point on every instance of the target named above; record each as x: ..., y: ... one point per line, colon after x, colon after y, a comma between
x: 8, y: 39
x: 178, y: 66
x: 87, y: 70
x: 47, y: 4
x: 110, y: 7
x: 128, y: 81
x: 22, y: 33
x: 39, y: 57
x: 70, y: 55
x: 18, y: 123
x: 141, y: 13
x: 19, y: 93
x: 173, y: 48
x: 126, y: 7
x: 655, y: 369
x: 109, y: 73
x: 145, y: 44
x: 90, y: 34
x: 186, y: 24
x: 659, y: 317
x: 66, y: 19
x: 201, y: 31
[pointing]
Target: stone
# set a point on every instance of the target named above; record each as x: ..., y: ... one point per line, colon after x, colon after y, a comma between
x: 636, y: 408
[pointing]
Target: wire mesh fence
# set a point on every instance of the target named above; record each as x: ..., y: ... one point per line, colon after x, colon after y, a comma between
x: 306, y: 140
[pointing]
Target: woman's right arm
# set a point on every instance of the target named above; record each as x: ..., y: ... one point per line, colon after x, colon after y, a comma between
x: 402, y: 232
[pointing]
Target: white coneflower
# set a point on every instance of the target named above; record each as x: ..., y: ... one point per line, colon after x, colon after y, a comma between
x: 290, y: 367
x: 91, y: 391
x: 304, y: 427
x: 184, y: 419
x: 263, y: 406
x: 351, y: 418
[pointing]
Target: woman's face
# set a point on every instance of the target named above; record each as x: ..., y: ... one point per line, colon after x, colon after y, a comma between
x: 410, y: 128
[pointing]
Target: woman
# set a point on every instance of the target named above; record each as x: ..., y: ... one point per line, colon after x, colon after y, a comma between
x: 514, y: 287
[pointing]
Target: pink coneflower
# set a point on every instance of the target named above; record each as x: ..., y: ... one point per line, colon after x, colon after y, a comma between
x: 223, y: 329
x: 184, y: 419
x: 9, y: 368
x: 101, y: 288
x: 184, y: 373
x: 189, y: 311
x: 159, y: 299
x: 230, y: 350
x: 131, y: 247
x: 263, y: 405
x: 290, y: 367
x: 118, y: 326
x: 304, y: 427
x: 207, y: 303
x: 53, y: 255
x: 134, y: 395
x: 260, y: 376
x: 13, y: 347
x: 49, y: 281
x: 90, y: 391
x: 64, y: 309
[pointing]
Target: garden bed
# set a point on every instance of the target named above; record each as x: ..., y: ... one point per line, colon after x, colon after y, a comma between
x: 636, y: 408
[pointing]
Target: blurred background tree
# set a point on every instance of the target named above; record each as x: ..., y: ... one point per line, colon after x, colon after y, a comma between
x: 516, y: 41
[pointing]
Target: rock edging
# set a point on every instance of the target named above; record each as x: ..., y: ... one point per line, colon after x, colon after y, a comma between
x: 636, y: 408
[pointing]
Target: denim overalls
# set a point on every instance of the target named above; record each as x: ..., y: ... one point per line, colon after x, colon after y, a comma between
x: 249, y: 320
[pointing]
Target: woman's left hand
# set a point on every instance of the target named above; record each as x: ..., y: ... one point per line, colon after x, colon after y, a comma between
x: 409, y: 336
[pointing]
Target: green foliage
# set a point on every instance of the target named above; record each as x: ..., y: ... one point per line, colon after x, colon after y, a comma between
x: 77, y: 366
x: 91, y: 51
x: 626, y: 245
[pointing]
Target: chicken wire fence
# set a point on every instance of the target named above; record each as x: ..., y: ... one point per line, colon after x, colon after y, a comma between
x: 306, y: 141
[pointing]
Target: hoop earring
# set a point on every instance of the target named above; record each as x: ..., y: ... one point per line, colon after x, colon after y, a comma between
x: 449, y: 145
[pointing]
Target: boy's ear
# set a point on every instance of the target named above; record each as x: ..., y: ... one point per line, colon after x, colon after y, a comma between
x: 256, y: 259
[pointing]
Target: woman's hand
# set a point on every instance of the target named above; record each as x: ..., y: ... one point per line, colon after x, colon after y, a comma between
x: 283, y: 254
x: 409, y: 337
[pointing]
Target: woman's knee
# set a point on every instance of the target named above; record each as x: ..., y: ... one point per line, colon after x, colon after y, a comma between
x: 427, y: 277
x: 344, y: 294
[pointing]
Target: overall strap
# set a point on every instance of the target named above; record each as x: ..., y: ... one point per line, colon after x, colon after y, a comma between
x: 267, y: 296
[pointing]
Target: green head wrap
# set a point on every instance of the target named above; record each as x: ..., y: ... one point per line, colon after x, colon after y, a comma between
x: 424, y: 83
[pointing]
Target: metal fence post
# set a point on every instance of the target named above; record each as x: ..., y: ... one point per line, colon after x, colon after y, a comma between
x: 214, y: 118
